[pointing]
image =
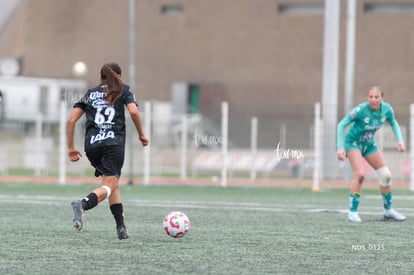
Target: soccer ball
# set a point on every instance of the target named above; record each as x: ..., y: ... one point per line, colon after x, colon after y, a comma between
x: 176, y: 224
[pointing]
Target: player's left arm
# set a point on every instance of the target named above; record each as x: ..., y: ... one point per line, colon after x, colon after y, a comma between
x: 396, y: 130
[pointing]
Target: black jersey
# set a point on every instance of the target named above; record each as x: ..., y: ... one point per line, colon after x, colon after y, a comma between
x: 105, y: 124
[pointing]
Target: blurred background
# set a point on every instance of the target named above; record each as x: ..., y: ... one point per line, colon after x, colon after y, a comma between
x: 264, y: 58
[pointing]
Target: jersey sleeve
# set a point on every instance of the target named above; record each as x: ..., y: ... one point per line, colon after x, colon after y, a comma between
x: 82, y: 102
x: 129, y: 96
x: 394, y: 124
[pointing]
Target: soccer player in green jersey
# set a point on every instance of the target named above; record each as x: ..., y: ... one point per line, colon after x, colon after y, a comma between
x: 104, y: 142
x: 359, y: 144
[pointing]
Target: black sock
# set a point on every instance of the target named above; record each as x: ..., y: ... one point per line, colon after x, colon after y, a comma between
x: 118, y: 213
x: 90, y: 201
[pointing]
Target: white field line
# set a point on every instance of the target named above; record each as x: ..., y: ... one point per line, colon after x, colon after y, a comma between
x: 225, y: 205
x: 406, y: 212
x: 41, y: 199
x: 378, y: 197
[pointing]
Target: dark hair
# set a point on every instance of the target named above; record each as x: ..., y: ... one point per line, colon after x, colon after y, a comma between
x: 111, y: 76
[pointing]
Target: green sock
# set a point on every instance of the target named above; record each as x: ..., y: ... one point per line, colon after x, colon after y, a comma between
x: 354, y: 201
x: 387, y: 200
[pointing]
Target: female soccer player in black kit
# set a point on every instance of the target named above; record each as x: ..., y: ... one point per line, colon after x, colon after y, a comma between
x: 104, y: 141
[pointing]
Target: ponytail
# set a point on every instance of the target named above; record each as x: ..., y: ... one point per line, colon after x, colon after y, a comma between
x: 111, y: 76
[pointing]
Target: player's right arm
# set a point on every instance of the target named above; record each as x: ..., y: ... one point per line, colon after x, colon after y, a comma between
x: 76, y: 114
x: 348, y: 119
x: 136, y: 118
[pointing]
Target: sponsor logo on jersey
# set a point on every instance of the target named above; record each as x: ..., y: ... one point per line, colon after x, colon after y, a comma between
x: 102, y: 136
x: 97, y: 95
x: 99, y: 103
x: 372, y: 127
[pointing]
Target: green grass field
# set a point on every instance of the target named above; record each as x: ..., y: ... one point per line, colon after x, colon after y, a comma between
x: 233, y: 231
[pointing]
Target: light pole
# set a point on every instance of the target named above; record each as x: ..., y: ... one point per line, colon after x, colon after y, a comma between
x: 1, y: 109
x: 131, y: 83
x: 330, y: 87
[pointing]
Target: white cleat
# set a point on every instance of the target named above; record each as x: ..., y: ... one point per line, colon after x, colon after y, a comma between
x: 353, y: 217
x: 393, y: 215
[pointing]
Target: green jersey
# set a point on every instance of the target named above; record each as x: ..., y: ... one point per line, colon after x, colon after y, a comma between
x: 365, y: 122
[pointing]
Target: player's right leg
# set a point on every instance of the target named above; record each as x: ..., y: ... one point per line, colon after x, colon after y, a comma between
x: 357, y: 163
x: 353, y: 208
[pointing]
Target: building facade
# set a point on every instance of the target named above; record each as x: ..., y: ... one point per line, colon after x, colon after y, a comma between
x: 262, y: 56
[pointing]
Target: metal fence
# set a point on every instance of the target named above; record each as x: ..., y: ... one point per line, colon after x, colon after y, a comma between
x: 186, y: 146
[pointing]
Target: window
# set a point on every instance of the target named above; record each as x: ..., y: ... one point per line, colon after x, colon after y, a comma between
x: 389, y: 8
x: 172, y: 9
x: 300, y: 9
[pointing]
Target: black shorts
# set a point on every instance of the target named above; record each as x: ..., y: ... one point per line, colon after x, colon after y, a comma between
x: 107, y: 160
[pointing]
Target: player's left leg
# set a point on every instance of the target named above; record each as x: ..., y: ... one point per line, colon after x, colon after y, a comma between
x: 115, y: 204
x: 376, y: 160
